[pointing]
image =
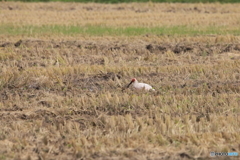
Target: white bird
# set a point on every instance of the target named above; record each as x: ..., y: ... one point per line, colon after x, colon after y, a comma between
x: 140, y: 86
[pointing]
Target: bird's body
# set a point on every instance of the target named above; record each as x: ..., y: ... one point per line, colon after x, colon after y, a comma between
x: 140, y: 86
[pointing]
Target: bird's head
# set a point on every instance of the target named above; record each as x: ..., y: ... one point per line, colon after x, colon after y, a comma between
x: 133, y: 80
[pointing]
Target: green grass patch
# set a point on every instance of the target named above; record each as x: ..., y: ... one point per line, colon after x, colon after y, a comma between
x: 113, y: 31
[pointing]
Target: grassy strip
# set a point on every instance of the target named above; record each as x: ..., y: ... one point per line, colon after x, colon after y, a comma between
x: 112, y: 31
x: 128, y: 1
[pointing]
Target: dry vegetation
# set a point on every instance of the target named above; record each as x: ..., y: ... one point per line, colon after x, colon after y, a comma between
x: 62, y: 97
x: 137, y: 14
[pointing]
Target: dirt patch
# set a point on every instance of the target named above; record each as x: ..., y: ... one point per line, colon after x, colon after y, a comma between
x: 176, y: 48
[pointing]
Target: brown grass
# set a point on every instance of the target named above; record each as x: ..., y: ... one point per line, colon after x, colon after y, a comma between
x: 133, y: 14
x: 62, y: 98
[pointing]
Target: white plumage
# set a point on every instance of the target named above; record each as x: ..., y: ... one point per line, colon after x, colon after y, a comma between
x: 140, y: 86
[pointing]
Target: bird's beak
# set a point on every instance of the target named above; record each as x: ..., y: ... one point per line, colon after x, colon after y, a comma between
x: 129, y: 84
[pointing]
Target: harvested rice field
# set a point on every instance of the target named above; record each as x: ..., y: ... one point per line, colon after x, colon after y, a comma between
x: 64, y: 68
